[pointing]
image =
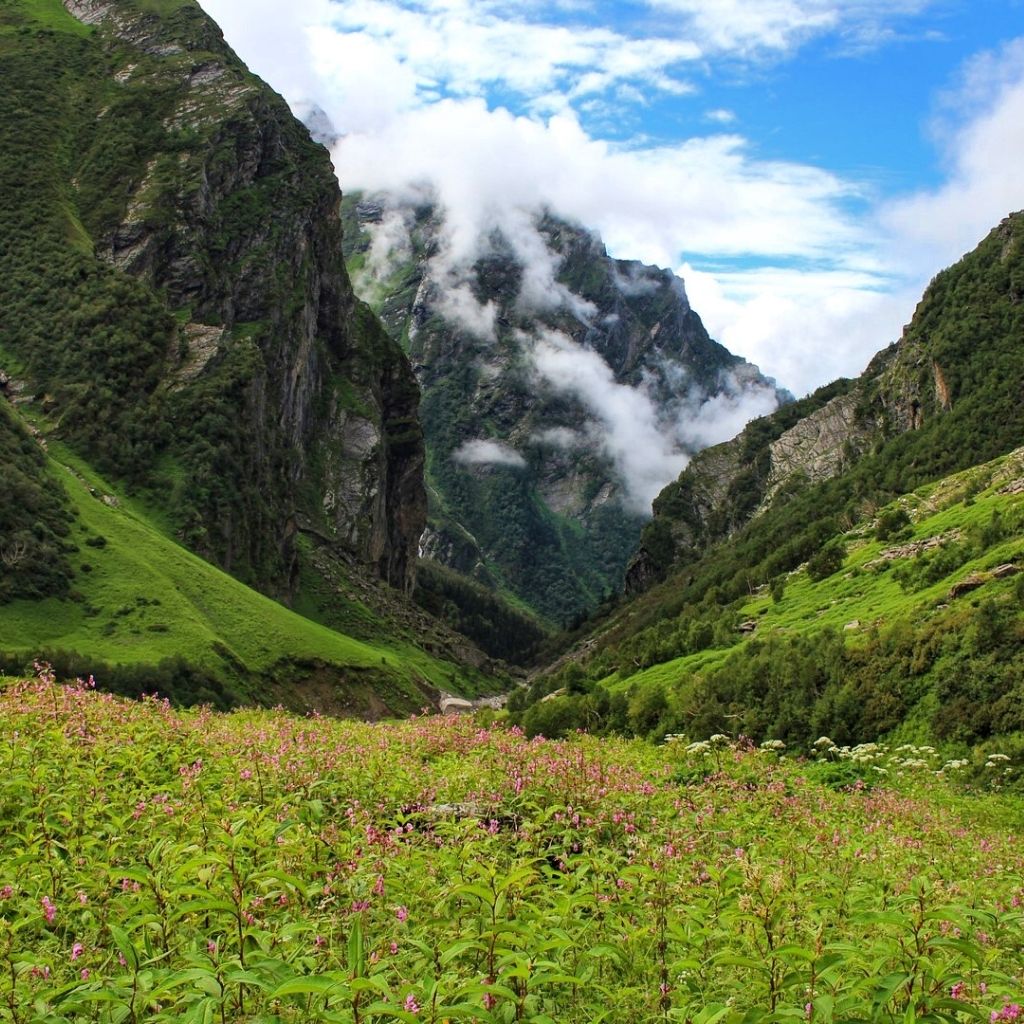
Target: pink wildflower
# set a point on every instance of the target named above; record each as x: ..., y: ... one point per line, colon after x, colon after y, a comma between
x: 76, y: 951
x: 82, y: 898
x: 402, y: 914
x: 211, y: 947
x: 85, y: 973
x: 1011, y: 1011
x: 48, y: 909
x: 411, y: 1006
x: 958, y: 991
x: 6, y: 892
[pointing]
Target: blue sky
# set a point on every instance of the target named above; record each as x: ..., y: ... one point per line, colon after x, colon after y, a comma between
x: 805, y: 165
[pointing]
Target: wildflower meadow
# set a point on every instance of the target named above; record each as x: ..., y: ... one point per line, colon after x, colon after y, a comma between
x: 166, y: 865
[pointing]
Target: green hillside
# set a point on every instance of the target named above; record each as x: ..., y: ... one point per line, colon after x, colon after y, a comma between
x: 910, y: 623
x: 145, y: 614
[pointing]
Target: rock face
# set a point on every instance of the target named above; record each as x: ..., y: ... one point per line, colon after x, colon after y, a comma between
x: 283, y: 407
x: 947, y: 392
x: 551, y: 386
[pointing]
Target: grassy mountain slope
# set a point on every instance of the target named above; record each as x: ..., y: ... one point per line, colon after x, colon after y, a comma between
x: 177, y: 326
x: 138, y: 598
x: 915, y: 629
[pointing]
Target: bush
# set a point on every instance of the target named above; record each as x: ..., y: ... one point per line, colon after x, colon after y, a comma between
x: 827, y: 561
x: 891, y: 523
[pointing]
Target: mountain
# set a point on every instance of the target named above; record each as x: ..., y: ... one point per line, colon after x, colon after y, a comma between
x: 561, y: 388
x: 810, y: 575
x: 176, y: 320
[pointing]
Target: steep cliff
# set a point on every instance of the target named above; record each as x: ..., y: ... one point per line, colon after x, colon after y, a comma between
x: 942, y: 398
x: 561, y: 388
x: 173, y: 292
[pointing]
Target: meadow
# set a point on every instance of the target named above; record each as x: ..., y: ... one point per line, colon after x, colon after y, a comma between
x: 159, y: 864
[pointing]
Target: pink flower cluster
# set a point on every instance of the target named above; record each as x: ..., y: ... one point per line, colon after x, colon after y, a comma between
x: 1011, y: 1011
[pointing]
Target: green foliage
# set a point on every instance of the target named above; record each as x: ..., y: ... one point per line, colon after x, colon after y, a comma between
x: 826, y: 561
x: 893, y: 522
x: 166, y: 866
x: 34, y: 518
x: 494, y: 625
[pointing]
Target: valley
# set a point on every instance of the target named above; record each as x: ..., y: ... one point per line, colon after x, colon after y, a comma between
x: 410, y: 612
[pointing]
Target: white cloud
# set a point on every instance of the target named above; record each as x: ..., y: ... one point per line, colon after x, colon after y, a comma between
x: 467, y: 48
x: 752, y: 28
x: 645, y: 455
x: 724, y: 415
x: 390, y: 246
x: 984, y: 153
x: 456, y: 302
x: 558, y: 437
x: 802, y: 328
x: 488, y: 453
x: 703, y: 195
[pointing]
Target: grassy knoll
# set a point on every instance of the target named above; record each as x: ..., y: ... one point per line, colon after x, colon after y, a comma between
x: 163, y: 865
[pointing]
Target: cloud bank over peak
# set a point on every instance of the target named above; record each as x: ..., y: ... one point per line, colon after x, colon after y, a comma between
x: 501, y: 109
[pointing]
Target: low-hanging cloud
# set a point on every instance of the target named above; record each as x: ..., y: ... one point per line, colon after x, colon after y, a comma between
x: 645, y: 457
x: 648, y: 444
x: 483, y: 452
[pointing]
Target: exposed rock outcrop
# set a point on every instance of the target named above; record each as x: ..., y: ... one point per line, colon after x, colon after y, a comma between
x: 231, y: 213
